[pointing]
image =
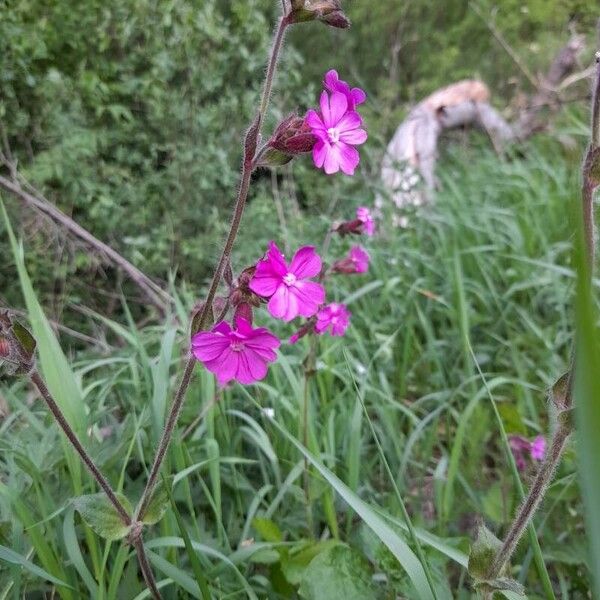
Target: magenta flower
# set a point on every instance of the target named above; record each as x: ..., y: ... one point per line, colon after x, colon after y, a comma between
x: 337, y: 130
x: 538, y: 448
x: 333, y: 83
x: 357, y: 261
x: 521, y: 446
x: 363, y: 214
x: 333, y: 317
x: 288, y: 289
x: 241, y: 354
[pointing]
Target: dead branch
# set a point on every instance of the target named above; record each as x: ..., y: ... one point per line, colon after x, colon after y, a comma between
x: 412, y: 154
x: 33, y: 198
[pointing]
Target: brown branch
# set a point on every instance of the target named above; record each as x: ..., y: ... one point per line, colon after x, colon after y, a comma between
x: 32, y: 197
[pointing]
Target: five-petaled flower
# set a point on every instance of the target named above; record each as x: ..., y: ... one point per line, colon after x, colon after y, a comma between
x: 334, y: 318
x: 241, y: 353
x: 363, y: 214
x: 288, y: 288
x: 357, y: 261
x: 337, y: 130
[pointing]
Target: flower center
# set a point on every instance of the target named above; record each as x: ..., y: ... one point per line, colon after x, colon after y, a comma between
x: 237, y: 346
x: 334, y: 134
x: 289, y: 279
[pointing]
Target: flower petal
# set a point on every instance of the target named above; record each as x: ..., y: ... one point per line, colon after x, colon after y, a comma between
x: 338, y: 105
x: 251, y: 367
x: 309, y: 296
x: 354, y: 137
x: 314, y: 121
x: 358, y: 95
x: 331, y: 163
x: 319, y: 153
x: 283, y: 304
x: 306, y: 263
x: 348, y: 158
x: 208, y: 346
x: 350, y: 120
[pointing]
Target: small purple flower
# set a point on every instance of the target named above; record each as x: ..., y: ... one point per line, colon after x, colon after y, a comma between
x: 241, y: 353
x: 288, y: 288
x: 333, y: 83
x: 357, y: 261
x: 521, y: 447
x: 538, y: 448
x: 363, y: 214
x: 337, y: 130
x: 334, y: 318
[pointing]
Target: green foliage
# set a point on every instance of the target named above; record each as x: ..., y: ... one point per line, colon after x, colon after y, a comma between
x: 339, y: 573
x: 100, y: 514
x: 159, y: 502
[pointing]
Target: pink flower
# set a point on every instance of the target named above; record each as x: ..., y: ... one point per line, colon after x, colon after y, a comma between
x: 538, y: 448
x: 290, y: 292
x: 357, y: 261
x: 333, y: 83
x: 241, y: 354
x: 333, y: 317
x: 363, y: 214
x: 337, y: 130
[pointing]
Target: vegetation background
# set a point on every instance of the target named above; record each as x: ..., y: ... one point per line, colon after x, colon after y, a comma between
x: 128, y: 114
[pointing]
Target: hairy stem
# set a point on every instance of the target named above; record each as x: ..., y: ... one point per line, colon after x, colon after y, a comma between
x: 561, y: 434
x: 146, y: 569
x: 531, y: 502
x: 37, y: 380
x: 248, y: 165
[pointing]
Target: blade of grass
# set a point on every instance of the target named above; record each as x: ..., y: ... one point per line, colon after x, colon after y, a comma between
x: 405, y: 514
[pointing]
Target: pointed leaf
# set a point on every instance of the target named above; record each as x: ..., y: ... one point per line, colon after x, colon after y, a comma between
x: 158, y: 504
x: 98, y: 512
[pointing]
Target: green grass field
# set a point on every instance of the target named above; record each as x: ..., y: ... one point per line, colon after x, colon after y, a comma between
x: 462, y: 324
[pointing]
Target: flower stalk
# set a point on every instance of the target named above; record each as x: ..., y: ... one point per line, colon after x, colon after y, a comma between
x: 206, y: 315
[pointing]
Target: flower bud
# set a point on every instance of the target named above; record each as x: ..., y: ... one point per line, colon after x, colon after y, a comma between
x: 243, y: 310
x: 241, y: 292
x: 327, y: 11
x: 4, y: 348
x: 291, y: 137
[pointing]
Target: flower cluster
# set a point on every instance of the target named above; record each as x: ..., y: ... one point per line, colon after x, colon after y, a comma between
x: 239, y: 352
x: 290, y: 289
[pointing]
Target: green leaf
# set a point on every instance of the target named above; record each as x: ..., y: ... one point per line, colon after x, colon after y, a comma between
x: 501, y: 584
x: 159, y: 502
x: 98, y: 512
x: 25, y: 338
x: 482, y: 554
x: 295, y: 563
x: 339, y: 573
x: 394, y: 542
x: 10, y: 556
x: 267, y: 529
x: 55, y: 367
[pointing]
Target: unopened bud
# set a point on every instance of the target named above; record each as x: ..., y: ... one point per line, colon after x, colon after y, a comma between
x: 327, y: 11
x: 241, y: 292
x: 291, y: 137
x: 4, y: 348
x: 244, y: 311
